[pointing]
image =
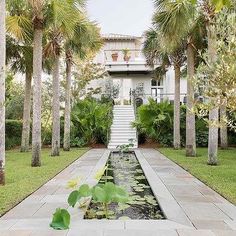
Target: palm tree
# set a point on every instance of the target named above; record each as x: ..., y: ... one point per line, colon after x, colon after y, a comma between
x: 38, y: 20
x: 86, y: 40
x: 63, y: 18
x: 154, y: 51
x: 2, y: 90
x: 168, y: 18
x: 20, y: 59
x: 180, y: 23
x: 20, y: 56
x: 177, y: 58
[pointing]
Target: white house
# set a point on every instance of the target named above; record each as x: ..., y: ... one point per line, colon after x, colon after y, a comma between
x: 133, y: 73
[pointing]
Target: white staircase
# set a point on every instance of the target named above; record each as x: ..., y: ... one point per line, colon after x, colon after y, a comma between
x: 121, y: 129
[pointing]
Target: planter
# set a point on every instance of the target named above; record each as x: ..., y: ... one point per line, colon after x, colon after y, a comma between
x: 114, y: 56
x: 127, y: 58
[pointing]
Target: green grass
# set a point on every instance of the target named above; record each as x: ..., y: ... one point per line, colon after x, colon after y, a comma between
x: 221, y: 178
x: 22, y: 179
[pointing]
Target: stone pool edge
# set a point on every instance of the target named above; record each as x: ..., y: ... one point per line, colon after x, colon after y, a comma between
x: 170, y: 208
x: 167, y: 202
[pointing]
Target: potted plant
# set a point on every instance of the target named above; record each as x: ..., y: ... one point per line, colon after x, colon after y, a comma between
x: 114, y: 56
x: 127, y: 55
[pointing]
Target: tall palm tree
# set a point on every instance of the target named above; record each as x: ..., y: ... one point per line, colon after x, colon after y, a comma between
x: 20, y: 59
x: 180, y: 23
x: 38, y: 20
x: 168, y: 16
x: 86, y: 40
x: 63, y: 18
x: 20, y: 56
x: 155, y: 50
x: 209, y: 11
x: 2, y: 90
x: 177, y: 58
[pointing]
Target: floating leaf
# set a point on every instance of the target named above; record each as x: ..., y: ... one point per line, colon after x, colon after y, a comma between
x: 140, y: 177
x: 73, y: 198
x: 122, y: 207
x: 61, y: 219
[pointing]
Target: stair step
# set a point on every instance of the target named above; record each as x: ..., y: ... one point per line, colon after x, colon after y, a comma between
x: 123, y: 131
x: 126, y: 137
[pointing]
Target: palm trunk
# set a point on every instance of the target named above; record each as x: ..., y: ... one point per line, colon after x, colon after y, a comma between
x: 2, y: 90
x: 66, y: 145
x: 56, y: 109
x: 26, y: 116
x: 190, y: 116
x: 214, y: 113
x: 37, y: 73
x: 223, y: 128
x: 177, y: 144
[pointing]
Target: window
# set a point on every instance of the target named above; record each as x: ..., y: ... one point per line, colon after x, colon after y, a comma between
x: 155, y: 82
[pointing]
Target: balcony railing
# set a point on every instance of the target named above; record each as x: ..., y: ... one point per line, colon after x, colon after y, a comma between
x: 118, y: 56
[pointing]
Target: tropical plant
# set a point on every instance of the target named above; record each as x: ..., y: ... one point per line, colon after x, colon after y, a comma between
x: 155, y: 50
x: 20, y: 56
x: 38, y: 24
x: 124, y: 148
x: 63, y: 19
x: 2, y: 90
x: 88, y: 119
x: 61, y: 219
x: 155, y: 119
x: 171, y: 18
x: 85, y: 42
x: 103, y: 194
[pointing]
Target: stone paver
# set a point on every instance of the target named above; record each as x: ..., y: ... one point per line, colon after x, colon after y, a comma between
x: 191, y: 208
x: 205, y: 208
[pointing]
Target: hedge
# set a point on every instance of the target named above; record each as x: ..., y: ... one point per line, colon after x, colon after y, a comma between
x: 13, y: 133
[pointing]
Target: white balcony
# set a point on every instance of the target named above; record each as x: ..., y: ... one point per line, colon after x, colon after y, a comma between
x: 115, y: 61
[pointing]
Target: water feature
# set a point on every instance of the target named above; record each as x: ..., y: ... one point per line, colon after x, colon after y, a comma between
x: 124, y: 169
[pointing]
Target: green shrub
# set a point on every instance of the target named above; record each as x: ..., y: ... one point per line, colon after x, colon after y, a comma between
x: 155, y: 121
x: 13, y: 133
x: 92, y: 120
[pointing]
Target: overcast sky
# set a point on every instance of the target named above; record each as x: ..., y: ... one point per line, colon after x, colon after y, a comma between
x: 130, y: 17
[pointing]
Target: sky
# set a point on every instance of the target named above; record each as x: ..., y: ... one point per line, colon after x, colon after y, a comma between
x: 130, y: 17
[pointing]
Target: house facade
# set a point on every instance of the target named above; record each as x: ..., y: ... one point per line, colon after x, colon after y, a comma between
x: 129, y: 73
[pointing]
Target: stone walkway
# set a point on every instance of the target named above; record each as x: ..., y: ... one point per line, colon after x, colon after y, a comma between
x: 190, y: 206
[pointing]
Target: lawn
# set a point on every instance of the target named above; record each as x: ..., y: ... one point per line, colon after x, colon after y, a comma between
x: 22, y: 179
x: 221, y: 178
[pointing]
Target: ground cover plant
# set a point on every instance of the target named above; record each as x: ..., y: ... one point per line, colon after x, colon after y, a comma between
x: 25, y: 179
x: 221, y: 178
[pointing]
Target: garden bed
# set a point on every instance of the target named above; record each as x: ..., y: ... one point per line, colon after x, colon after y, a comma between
x: 124, y: 169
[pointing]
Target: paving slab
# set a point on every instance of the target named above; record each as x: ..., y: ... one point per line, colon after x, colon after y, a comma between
x: 140, y: 232
x: 191, y: 207
x: 186, y: 232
